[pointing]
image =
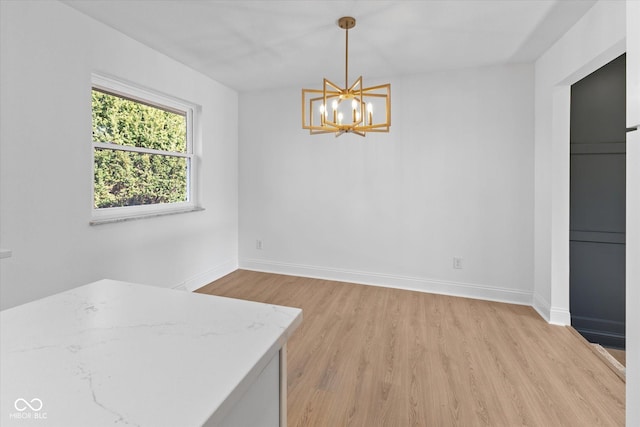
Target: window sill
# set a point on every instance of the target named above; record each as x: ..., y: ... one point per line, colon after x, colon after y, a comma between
x: 100, y: 221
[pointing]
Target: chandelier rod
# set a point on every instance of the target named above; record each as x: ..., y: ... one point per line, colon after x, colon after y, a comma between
x: 346, y: 23
x: 346, y: 59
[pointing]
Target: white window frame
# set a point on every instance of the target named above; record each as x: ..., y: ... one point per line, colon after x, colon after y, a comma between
x: 155, y: 99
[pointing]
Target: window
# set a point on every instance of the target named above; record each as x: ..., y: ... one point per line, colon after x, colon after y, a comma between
x: 142, y: 152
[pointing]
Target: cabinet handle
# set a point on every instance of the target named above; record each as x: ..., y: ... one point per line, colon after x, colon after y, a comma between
x: 632, y: 128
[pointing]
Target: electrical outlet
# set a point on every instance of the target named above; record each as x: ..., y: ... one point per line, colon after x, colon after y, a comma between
x: 259, y: 244
x: 457, y: 263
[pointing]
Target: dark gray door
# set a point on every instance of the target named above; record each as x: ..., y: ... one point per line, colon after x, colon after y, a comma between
x: 597, y: 222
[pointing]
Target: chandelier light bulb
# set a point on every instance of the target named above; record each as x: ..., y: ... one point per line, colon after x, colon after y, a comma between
x: 354, y: 106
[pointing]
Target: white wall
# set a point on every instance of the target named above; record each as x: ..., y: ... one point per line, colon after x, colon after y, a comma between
x: 595, y: 40
x: 454, y: 177
x: 633, y: 215
x: 48, y: 54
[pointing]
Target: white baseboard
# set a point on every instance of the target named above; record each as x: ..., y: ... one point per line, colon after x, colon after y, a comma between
x: 559, y: 316
x: 468, y: 290
x: 542, y: 306
x: 553, y: 315
x: 207, y: 277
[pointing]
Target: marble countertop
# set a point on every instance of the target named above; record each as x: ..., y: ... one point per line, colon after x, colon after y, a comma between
x: 116, y: 353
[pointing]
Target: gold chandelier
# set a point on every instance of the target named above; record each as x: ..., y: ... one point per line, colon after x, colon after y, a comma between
x: 328, y: 110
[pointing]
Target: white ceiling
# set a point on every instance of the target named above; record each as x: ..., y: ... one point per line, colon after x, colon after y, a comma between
x: 260, y: 44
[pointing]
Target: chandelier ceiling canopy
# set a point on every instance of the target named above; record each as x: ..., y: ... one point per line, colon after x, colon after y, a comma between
x: 351, y: 109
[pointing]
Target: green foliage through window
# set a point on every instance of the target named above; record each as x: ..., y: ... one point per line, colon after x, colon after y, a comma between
x: 129, y: 178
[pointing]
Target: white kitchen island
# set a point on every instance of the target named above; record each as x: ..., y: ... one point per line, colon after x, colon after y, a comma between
x: 120, y: 354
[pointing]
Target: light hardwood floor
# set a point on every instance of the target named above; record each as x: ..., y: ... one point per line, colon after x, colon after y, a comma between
x: 619, y: 355
x: 373, y: 356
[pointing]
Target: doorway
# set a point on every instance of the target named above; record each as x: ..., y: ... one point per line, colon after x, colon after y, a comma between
x: 597, y: 205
